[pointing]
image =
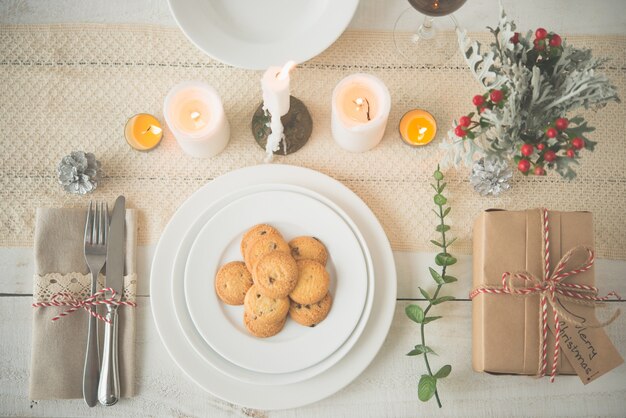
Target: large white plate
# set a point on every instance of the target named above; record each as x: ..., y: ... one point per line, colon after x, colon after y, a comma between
x: 282, y: 396
x: 222, y: 326
x: 188, y: 327
x: 258, y: 34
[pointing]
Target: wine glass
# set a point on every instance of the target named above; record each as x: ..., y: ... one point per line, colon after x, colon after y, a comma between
x: 423, y: 39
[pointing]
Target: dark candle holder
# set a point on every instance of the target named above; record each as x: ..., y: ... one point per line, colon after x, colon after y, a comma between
x: 297, y: 124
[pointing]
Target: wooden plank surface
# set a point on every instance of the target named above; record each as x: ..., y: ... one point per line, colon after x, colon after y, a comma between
x: 388, y: 387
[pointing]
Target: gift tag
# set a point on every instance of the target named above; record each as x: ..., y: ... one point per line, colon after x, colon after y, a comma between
x: 587, y: 347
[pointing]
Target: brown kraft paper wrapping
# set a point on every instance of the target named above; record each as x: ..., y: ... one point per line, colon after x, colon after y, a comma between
x: 506, y: 328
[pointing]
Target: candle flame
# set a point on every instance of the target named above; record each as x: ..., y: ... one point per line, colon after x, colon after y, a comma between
x: 195, y: 116
x: 359, y: 102
x: 154, y: 129
x: 284, y: 73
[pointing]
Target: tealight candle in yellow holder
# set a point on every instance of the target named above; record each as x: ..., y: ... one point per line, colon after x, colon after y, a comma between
x: 143, y: 132
x: 418, y: 127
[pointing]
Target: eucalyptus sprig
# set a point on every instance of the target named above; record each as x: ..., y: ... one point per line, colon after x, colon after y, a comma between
x: 427, y: 386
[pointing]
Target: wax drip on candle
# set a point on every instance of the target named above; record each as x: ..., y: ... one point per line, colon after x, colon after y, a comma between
x: 359, y: 101
x: 276, y: 125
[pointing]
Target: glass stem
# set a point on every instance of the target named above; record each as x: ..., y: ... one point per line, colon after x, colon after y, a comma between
x: 426, y: 30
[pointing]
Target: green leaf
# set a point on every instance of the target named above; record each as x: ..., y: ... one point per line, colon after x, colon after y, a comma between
x: 440, y: 200
x: 414, y: 353
x: 445, y: 212
x: 441, y: 300
x: 444, y: 259
x: 423, y: 349
x: 431, y: 319
x: 438, y: 175
x: 443, y: 372
x: 426, y: 387
x: 449, y: 243
x: 434, y: 187
x: 442, y: 228
x: 438, y: 244
x: 424, y: 293
x: 449, y: 279
x: 436, y: 276
x: 415, y: 313
x: 440, y: 188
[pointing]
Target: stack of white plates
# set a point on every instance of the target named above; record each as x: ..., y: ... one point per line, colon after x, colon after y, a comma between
x: 300, y: 365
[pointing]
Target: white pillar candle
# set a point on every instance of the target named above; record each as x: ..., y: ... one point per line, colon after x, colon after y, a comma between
x: 194, y: 113
x: 276, y: 97
x: 360, y: 109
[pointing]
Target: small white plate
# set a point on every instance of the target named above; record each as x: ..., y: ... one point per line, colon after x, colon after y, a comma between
x: 222, y: 326
x: 258, y: 34
x: 198, y: 343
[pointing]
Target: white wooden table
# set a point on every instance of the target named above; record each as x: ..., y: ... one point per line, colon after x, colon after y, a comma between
x: 388, y: 387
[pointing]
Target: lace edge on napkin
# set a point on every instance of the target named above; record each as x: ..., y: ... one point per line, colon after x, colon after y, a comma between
x: 78, y: 284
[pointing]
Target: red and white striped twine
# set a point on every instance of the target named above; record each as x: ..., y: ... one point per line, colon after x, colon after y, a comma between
x: 98, y: 298
x: 552, y: 284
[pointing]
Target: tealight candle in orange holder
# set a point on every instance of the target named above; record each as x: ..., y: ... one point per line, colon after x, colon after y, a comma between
x: 418, y: 127
x: 143, y: 132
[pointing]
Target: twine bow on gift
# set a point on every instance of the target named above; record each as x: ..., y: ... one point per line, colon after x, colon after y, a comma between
x: 552, y: 288
x: 98, y: 298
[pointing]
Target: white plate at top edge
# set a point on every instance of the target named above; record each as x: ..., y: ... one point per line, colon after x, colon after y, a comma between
x: 295, y: 347
x: 299, y: 393
x: 193, y: 336
x: 259, y: 34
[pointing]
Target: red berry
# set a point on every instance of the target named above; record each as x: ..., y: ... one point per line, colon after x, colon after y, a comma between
x: 539, y: 45
x: 561, y: 124
x: 551, y: 133
x: 549, y: 156
x: 539, y: 171
x: 570, y: 153
x: 527, y: 150
x: 459, y: 131
x: 541, y: 146
x: 541, y: 33
x: 465, y: 121
x: 478, y: 100
x: 496, y: 96
x: 523, y: 166
x: 555, y: 40
x: 515, y: 38
x: 578, y: 143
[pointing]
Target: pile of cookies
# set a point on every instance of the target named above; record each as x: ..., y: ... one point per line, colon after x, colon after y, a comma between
x: 277, y: 279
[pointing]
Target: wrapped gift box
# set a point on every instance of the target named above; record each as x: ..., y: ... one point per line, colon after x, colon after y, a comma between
x: 506, y: 328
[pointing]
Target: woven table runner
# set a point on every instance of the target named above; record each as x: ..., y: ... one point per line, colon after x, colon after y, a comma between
x: 72, y: 87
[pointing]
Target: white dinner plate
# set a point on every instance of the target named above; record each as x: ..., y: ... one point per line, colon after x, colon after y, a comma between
x: 258, y: 34
x: 279, y: 396
x: 222, y: 325
x: 188, y: 327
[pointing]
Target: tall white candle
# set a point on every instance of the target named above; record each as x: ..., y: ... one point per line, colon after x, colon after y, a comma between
x: 360, y: 109
x: 195, y: 115
x: 276, y: 96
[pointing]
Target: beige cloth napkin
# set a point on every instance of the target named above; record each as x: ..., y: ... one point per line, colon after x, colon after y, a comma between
x: 58, y: 347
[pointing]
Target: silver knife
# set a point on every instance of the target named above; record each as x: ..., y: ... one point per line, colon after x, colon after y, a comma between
x: 109, y: 385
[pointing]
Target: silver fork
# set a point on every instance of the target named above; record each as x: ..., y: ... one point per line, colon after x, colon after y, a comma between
x: 96, y: 231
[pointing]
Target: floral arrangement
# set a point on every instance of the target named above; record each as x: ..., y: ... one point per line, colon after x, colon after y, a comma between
x: 533, y: 82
